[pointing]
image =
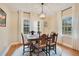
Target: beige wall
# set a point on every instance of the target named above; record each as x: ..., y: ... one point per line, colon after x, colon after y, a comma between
x: 13, y: 25
x: 8, y: 34
x: 51, y: 24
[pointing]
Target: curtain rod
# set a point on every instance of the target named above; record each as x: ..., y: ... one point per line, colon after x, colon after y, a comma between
x: 66, y: 9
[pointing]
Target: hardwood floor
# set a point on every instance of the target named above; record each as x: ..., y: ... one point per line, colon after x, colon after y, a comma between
x: 65, y: 50
x: 13, y: 47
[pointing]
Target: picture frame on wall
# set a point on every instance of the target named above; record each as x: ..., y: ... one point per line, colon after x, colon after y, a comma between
x: 45, y: 23
x: 2, y: 18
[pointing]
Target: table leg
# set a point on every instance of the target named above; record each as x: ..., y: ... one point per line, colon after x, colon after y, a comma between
x: 30, y: 49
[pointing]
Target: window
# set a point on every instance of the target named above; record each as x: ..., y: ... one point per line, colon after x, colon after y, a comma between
x: 67, y: 25
x: 26, y: 26
x: 29, y: 25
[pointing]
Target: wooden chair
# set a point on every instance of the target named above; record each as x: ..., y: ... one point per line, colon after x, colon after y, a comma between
x: 42, y: 44
x: 52, y: 42
x: 25, y: 44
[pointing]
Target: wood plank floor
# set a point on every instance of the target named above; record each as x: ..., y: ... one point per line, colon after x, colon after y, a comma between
x: 65, y: 50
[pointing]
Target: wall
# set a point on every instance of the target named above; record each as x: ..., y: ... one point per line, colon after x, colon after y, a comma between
x: 8, y: 34
x: 13, y: 25
x: 51, y: 24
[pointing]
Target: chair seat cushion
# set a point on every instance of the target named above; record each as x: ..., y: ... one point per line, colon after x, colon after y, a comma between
x: 51, y: 43
x: 42, y: 46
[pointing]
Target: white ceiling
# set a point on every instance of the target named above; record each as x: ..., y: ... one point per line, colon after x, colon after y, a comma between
x: 49, y: 8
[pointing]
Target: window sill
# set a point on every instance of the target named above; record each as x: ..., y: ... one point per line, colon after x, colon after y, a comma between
x: 67, y: 35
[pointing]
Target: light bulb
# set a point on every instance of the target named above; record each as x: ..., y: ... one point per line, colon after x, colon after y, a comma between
x: 42, y: 15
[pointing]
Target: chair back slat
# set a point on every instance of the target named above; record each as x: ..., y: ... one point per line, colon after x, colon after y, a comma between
x: 22, y: 38
x: 54, y: 37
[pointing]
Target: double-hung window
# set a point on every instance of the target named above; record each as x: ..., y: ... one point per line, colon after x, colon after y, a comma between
x: 67, y: 21
x: 67, y: 25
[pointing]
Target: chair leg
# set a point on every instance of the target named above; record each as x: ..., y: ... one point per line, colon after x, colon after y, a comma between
x: 30, y: 51
x: 49, y: 50
x: 38, y: 52
x: 46, y: 50
x: 23, y: 50
x: 55, y: 49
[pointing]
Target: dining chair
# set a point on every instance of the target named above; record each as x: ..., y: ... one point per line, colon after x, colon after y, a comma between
x: 42, y: 44
x: 52, y: 42
x: 25, y: 44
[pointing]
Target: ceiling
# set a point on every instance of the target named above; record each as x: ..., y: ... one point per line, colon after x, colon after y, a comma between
x: 49, y: 8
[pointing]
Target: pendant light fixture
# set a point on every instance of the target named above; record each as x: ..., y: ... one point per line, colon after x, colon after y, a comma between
x: 42, y: 15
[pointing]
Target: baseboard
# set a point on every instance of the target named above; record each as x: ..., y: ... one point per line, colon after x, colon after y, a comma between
x: 65, y: 45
